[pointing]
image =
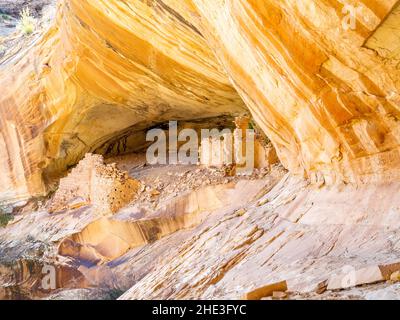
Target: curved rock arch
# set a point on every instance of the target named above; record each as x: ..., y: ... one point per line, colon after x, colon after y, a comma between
x: 327, y: 98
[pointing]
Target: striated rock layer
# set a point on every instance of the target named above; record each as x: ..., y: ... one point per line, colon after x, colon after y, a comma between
x: 112, y: 252
x: 104, y: 69
x: 326, y: 96
x: 224, y: 241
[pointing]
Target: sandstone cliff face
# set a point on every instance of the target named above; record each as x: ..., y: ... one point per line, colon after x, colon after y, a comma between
x: 326, y: 97
x: 104, y: 69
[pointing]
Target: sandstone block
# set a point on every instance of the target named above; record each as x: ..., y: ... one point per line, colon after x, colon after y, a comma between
x: 367, y: 275
x: 265, y: 291
x: 395, y: 276
x: 279, y: 295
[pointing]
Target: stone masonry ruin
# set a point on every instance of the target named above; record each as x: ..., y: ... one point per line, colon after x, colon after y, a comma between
x: 92, y: 182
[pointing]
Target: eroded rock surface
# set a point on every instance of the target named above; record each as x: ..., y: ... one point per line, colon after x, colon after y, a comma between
x: 225, y: 240
x: 85, y: 86
x: 105, y: 71
x: 103, y: 255
x: 327, y: 96
x: 284, y: 236
x: 328, y: 100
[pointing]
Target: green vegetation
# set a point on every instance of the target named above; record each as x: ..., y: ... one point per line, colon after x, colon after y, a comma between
x: 5, y: 17
x: 114, y: 294
x: 5, y: 218
x: 5, y: 215
x: 27, y: 22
